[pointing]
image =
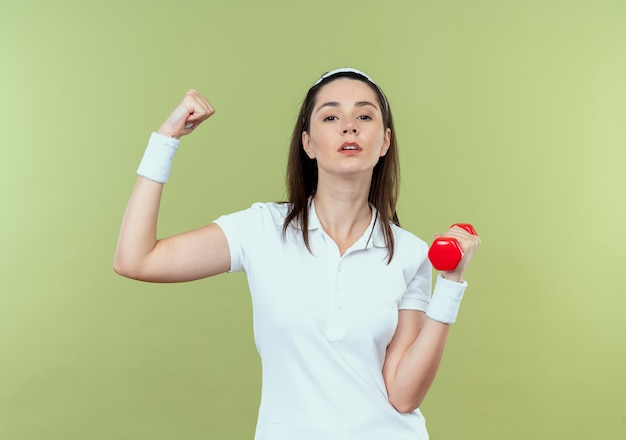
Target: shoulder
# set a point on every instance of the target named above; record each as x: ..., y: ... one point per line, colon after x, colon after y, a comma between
x: 273, y: 211
x: 406, y: 241
x: 258, y: 214
x: 411, y: 255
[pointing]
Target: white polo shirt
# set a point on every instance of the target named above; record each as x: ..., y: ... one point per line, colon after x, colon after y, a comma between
x: 322, y: 323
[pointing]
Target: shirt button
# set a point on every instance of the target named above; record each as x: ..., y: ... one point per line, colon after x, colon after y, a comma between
x: 339, y: 306
x: 339, y: 268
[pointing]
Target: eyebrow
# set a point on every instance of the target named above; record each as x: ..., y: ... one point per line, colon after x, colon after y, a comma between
x: 336, y: 104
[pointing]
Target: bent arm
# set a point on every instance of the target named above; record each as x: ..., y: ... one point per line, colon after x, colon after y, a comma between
x: 183, y: 257
x: 415, y: 352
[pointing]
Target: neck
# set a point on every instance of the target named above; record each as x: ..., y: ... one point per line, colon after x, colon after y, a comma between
x: 343, y: 209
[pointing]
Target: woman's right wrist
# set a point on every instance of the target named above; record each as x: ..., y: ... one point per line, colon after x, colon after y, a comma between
x: 165, y: 130
x: 156, y: 163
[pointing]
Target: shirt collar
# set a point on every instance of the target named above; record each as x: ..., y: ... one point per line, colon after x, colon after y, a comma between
x: 373, y: 235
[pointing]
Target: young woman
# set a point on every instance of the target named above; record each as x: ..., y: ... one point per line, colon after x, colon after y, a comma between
x: 349, y: 335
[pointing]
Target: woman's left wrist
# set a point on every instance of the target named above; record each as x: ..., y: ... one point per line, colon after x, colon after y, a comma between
x: 452, y: 276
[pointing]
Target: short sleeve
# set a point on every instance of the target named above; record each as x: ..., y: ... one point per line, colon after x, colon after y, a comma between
x: 229, y: 228
x: 417, y: 295
x: 249, y: 231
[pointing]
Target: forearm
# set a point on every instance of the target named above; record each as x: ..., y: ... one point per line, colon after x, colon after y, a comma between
x: 137, y: 236
x: 414, y: 355
x: 418, y: 367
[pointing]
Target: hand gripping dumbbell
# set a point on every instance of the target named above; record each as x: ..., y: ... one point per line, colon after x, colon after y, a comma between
x: 446, y: 252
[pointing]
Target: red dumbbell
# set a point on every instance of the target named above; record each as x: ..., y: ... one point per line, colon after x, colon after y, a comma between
x: 445, y: 252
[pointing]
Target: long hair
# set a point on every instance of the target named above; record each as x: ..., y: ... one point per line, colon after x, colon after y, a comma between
x: 302, y: 171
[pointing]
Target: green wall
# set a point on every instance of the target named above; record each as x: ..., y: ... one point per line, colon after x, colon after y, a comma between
x: 510, y: 115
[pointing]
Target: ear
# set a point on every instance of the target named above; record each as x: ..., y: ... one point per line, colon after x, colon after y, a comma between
x: 306, y: 145
x: 386, y: 142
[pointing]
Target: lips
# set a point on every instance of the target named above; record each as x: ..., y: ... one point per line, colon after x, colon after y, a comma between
x: 350, y: 147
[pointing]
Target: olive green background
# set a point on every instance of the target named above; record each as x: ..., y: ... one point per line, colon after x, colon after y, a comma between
x: 510, y: 115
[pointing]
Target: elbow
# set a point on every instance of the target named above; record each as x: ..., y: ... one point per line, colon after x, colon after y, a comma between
x: 405, y: 405
x: 122, y: 270
x: 125, y: 269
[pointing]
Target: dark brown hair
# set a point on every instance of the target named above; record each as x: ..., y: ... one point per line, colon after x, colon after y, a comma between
x: 302, y: 171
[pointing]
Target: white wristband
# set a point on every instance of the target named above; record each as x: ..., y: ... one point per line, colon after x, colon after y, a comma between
x: 156, y: 163
x: 446, y: 300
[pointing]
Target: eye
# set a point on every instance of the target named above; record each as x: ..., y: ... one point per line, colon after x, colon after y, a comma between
x: 330, y: 118
x: 364, y: 117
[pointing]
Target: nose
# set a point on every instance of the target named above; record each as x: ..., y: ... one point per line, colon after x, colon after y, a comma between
x: 350, y: 128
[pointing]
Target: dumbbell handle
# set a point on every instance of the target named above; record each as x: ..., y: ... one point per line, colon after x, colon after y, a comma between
x: 446, y: 252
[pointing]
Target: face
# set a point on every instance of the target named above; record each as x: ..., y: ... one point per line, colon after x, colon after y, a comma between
x: 346, y: 131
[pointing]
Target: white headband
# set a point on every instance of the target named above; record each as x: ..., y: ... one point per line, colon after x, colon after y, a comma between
x: 343, y: 70
x: 351, y: 70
